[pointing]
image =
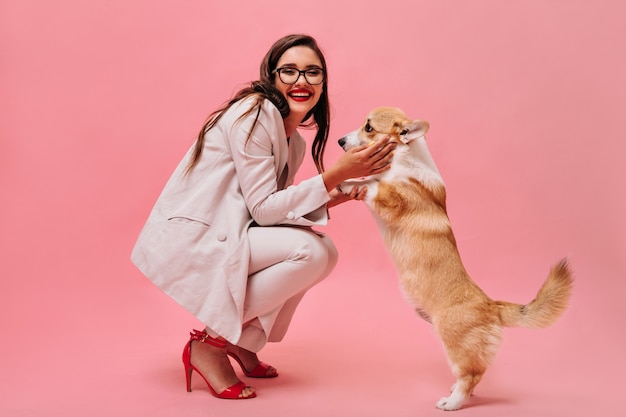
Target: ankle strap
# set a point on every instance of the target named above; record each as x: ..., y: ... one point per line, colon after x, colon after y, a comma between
x: 202, y: 336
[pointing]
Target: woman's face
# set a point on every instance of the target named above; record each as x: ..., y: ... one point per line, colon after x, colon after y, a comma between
x: 302, y: 96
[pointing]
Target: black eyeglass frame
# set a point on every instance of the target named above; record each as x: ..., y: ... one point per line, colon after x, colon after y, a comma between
x: 300, y: 74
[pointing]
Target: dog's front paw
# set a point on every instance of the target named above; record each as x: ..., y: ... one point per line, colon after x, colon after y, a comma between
x: 345, y: 187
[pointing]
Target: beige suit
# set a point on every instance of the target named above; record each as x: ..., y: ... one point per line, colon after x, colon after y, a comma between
x: 195, y: 246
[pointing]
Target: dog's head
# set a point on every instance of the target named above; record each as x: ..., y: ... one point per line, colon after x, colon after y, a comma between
x: 385, y: 121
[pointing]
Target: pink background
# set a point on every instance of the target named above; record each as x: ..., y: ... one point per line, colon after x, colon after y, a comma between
x: 99, y: 100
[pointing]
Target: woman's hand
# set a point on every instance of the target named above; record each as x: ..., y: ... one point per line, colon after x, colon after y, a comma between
x: 365, y: 160
x: 360, y: 161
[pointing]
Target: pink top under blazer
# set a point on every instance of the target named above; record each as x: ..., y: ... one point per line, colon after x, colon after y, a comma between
x: 194, y: 245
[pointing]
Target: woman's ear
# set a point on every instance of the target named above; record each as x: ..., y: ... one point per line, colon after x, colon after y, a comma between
x: 412, y: 130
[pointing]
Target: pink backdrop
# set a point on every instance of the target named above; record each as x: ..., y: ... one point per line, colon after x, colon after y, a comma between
x: 99, y: 100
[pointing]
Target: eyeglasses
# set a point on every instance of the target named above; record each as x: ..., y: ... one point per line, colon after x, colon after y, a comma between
x: 291, y: 75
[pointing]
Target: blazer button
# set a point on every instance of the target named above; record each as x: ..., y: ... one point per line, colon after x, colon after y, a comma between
x: 291, y: 215
x: 221, y: 237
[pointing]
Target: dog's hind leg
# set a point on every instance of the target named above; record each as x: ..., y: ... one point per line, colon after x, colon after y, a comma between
x: 462, y: 389
x: 469, y: 356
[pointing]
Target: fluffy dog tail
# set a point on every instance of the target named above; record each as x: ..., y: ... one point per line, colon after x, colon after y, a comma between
x: 548, y: 305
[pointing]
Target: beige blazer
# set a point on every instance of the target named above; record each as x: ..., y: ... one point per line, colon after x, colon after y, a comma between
x: 194, y: 245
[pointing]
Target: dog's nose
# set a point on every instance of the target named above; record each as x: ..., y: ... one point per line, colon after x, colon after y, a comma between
x: 342, y: 142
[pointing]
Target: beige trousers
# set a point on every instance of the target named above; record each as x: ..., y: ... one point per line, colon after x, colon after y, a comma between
x: 285, y: 262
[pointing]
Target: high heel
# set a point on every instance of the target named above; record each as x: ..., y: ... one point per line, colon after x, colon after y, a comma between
x: 233, y: 392
x: 259, y: 371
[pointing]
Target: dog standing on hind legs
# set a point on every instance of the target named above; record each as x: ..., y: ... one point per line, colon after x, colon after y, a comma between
x: 409, y: 204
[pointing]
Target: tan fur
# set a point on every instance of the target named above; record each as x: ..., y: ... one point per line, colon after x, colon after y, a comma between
x: 417, y: 232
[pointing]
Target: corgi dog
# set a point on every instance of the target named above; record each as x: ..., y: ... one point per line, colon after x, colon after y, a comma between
x: 409, y: 203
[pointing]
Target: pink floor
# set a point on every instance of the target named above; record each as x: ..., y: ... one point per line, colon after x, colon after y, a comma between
x: 75, y: 348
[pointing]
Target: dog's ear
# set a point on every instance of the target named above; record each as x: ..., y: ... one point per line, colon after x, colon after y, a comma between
x: 412, y: 130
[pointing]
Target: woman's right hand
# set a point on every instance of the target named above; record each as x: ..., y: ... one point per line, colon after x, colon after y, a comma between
x: 361, y: 161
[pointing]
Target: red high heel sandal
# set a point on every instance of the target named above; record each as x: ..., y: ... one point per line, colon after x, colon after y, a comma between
x: 260, y: 370
x: 232, y: 392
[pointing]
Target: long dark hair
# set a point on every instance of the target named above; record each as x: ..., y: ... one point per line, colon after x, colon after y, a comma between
x: 264, y: 88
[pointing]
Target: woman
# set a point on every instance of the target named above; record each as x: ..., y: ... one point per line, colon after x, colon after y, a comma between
x: 230, y: 238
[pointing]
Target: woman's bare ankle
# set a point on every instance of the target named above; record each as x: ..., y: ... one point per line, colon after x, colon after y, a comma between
x: 212, y: 362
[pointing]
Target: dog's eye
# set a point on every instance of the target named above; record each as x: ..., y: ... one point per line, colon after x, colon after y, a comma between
x: 368, y: 128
